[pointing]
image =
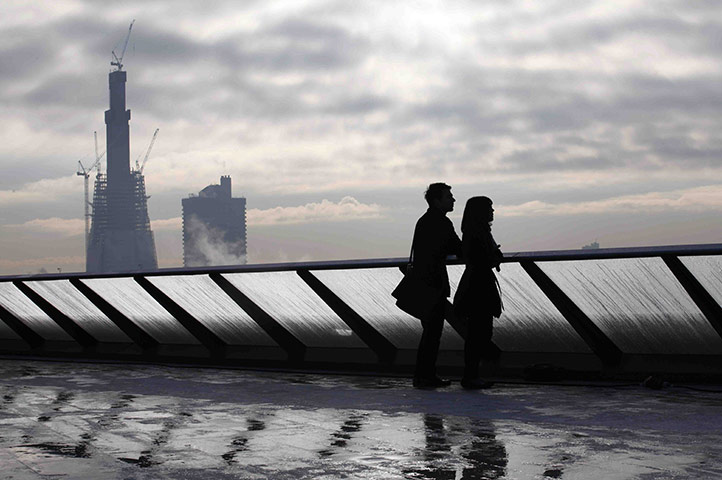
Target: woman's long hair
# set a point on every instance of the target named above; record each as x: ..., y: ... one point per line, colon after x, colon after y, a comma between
x: 475, y: 215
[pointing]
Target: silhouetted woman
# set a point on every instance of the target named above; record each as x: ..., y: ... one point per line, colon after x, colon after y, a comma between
x: 477, y: 298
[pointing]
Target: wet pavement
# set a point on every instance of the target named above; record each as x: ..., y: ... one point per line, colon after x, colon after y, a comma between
x: 91, y: 421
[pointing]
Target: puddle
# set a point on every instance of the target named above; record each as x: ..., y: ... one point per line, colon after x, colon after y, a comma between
x: 296, y: 426
x: 63, y: 450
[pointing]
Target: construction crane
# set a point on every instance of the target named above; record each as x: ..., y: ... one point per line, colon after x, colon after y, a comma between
x: 118, y: 62
x: 140, y: 166
x: 97, y: 157
x: 85, y: 173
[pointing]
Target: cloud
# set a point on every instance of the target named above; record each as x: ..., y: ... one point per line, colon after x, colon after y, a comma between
x: 24, y: 58
x: 41, y: 191
x: 46, y: 264
x: 699, y: 199
x: 63, y: 227
x: 168, y: 224
x: 76, y: 90
x: 286, y: 78
x: 347, y: 209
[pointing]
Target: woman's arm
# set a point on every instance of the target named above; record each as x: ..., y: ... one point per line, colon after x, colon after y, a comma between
x: 481, y: 251
x: 496, y: 254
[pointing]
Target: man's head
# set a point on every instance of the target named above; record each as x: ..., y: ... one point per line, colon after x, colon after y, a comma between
x: 439, y: 196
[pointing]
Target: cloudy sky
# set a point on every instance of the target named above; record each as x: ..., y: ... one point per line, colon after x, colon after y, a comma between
x: 583, y: 121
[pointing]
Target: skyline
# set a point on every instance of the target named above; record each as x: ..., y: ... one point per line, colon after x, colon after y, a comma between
x: 584, y: 122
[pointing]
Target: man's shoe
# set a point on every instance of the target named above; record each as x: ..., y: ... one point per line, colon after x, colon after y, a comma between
x: 475, y: 384
x: 433, y: 382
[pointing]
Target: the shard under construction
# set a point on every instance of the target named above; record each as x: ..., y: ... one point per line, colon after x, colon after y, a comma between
x: 120, y: 236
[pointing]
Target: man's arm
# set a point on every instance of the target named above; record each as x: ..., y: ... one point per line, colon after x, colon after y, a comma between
x: 454, y: 246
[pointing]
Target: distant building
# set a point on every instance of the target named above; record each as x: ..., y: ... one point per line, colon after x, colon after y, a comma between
x: 592, y: 246
x: 120, y: 236
x: 214, y: 227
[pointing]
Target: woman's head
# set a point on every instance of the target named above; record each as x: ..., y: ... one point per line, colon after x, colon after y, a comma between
x: 478, y: 214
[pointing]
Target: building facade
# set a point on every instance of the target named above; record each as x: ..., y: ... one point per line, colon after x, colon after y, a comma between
x: 214, y: 227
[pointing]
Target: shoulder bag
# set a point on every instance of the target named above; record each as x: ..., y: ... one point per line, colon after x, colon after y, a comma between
x: 413, y: 295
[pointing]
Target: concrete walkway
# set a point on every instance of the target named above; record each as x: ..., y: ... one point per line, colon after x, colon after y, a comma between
x: 89, y: 421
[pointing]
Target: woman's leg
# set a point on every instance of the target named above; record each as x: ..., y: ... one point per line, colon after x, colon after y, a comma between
x: 478, y: 336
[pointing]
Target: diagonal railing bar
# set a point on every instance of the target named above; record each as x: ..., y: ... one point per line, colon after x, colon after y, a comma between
x: 139, y: 336
x: 295, y: 349
x: 78, y: 334
x: 203, y: 334
x: 597, y: 341
x: 23, y: 331
x: 384, y: 349
x: 699, y: 295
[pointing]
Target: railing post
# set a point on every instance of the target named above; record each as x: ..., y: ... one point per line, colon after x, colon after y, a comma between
x: 78, y: 334
x: 139, y: 336
x: 23, y: 331
x: 295, y: 349
x: 598, y: 342
x: 384, y: 349
x: 203, y: 334
x: 704, y: 301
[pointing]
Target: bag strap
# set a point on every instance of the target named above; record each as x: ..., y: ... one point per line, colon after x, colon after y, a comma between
x: 411, y: 254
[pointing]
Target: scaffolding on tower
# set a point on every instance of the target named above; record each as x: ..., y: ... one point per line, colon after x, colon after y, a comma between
x: 120, y: 237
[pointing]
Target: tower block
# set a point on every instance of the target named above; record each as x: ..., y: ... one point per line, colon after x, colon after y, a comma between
x: 120, y: 236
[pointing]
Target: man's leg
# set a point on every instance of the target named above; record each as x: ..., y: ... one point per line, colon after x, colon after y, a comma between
x: 429, y: 344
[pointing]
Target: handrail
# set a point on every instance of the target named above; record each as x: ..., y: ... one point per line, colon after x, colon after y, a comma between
x: 510, y: 257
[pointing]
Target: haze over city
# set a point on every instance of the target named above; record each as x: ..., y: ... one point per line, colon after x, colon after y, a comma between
x: 584, y: 121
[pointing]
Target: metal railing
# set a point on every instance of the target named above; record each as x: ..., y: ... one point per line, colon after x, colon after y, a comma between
x: 218, y: 349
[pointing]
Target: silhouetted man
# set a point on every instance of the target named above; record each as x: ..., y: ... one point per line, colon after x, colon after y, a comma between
x: 434, y: 240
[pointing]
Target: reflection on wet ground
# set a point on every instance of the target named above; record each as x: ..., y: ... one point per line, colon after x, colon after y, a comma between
x: 89, y: 421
